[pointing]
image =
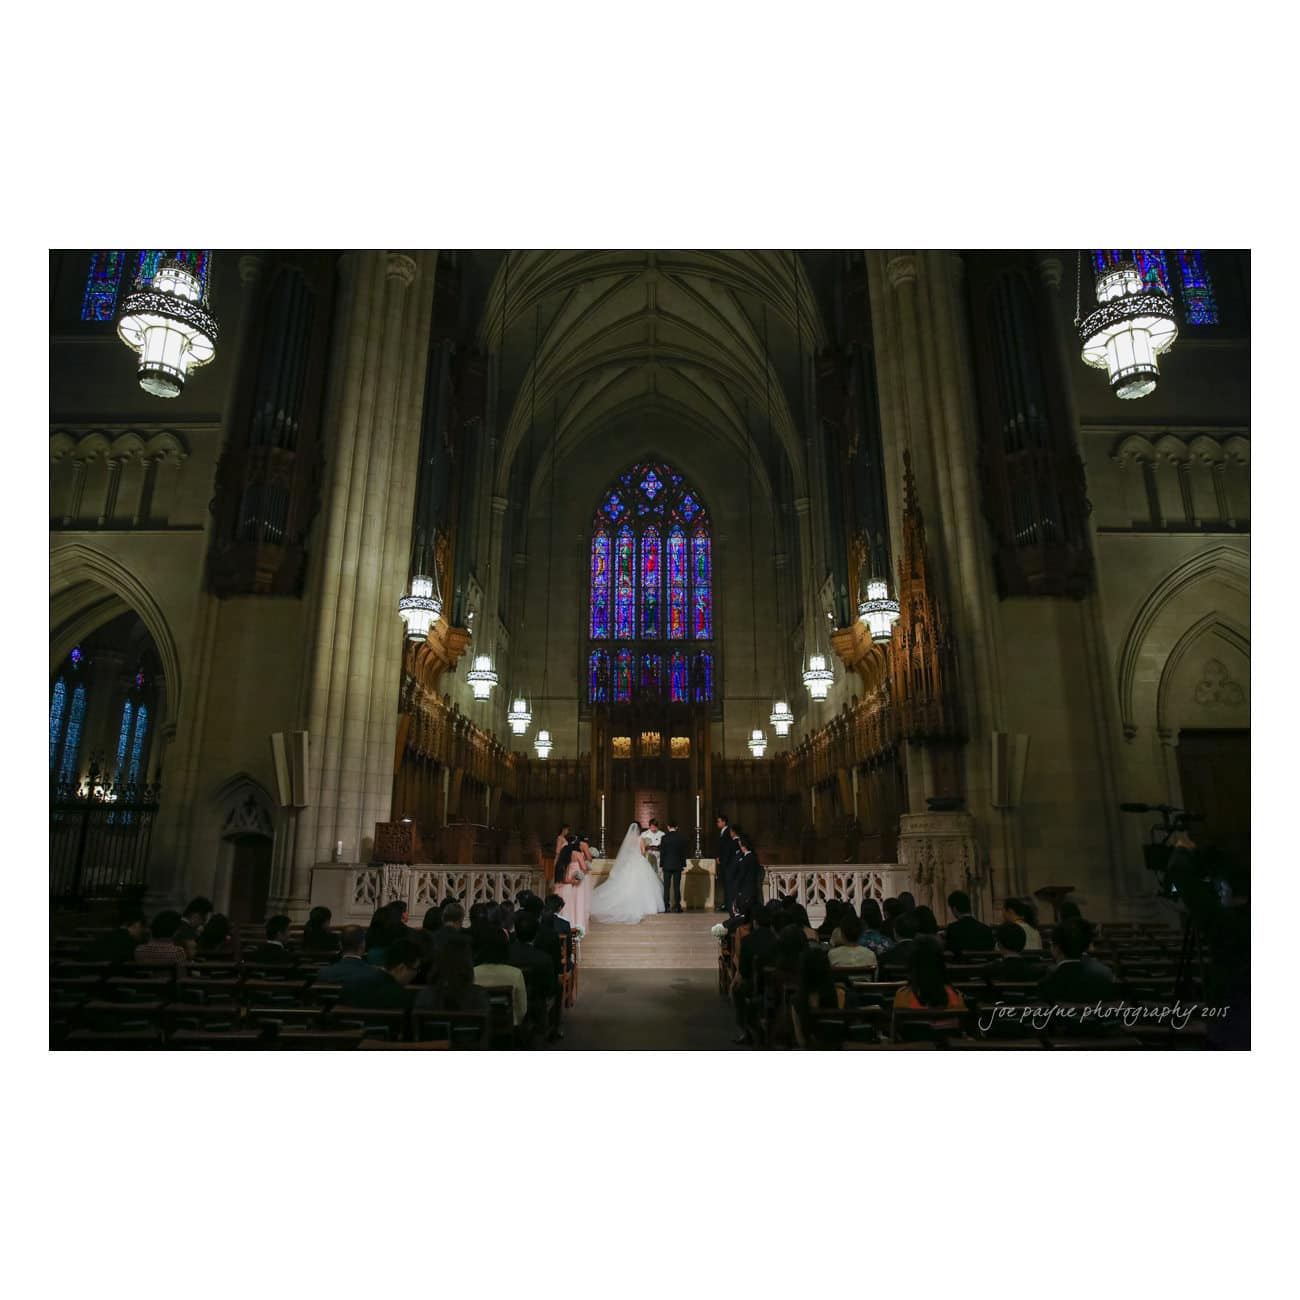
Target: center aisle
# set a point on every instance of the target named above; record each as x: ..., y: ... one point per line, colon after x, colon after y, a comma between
x: 650, y: 987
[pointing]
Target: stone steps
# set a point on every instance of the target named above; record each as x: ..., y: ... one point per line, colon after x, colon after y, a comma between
x: 670, y: 941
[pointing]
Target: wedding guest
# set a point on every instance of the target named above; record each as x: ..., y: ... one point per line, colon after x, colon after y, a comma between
x: 1012, y: 966
x: 1070, y: 980
x: 350, y: 968
x: 162, y: 948
x: 120, y: 943
x: 756, y: 949
x: 451, y: 927
x: 317, y: 937
x: 926, y: 921
x: 1023, y: 914
x: 927, y: 980
x: 894, y: 963
x: 893, y: 909
x: 799, y: 915
x: 215, y: 936
x: 873, y: 935
x: 388, y: 989
x: 816, y: 992
x: 187, y: 937
x: 196, y: 913
x: 964, y: 933
x: 834, y: 909
x: 541, y: 974
x: 846, y: 950
x: 906, y: 900
x: 451, y: 985
x: 274, y: 949
x: 492, y: 968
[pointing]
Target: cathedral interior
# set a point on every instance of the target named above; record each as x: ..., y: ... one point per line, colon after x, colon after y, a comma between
x: 853, y: 545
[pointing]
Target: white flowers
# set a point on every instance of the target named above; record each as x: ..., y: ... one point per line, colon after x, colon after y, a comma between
x: 718, y: 930
x: 579, y: 932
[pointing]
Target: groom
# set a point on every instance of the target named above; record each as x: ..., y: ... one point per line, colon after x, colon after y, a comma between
x: 672, y: 862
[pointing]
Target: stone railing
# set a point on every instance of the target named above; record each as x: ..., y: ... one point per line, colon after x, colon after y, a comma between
x: 353, y: 893
x: 813, y: 885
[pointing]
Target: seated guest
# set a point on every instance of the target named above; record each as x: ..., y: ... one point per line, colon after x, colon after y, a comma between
x: 477, y: 913
x: 388, y: 988
x: 162, y: 948
x: 187, y: 937
x: 215, y: 936
x: 756, y: 948
x: 351, y: 968
x: 964, y: 933
x: 385, y: 927
x: 926, y: 921
x: 906, y: 901
x: 317, y: 937
x: 451, y: 984
x: 780, y: 981
x: 451, y: 925
x: 834, y: 909
x: 492, y: 968
x: 196, y: 913
x: 817, y: 992
x: 1023, y: 914
x: 507, y: 916
x: 799, y: 916
x: 541, y: 971
x: 741, y: 917
x: 871, y: 922
x: 846, y: 950
x: 1070, y: 980
x: 894, y: 964
x: 557, y: 924
x: 274, y: 949
x: 1012, y: 966
x: 893, y: 909
x: 120, y: 943
x: 927, y: 979
x: 548, y: 940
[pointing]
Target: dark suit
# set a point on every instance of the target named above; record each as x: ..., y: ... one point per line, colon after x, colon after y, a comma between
x: 349, y: 972
x: 1072, y: 981
x: 541, y: 979
x: 557, y: 925
x: 1015, y: 970
x: 726, y: 857
x: 757, y: 950
x: 270, y: 954
x: 892, y: 965
x: 381, y: 993
x: 672, y: 862
x: 966, y: 934
x: 748, y: 878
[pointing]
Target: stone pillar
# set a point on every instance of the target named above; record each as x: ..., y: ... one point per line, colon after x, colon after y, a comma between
x: 372, y: 437
x: 941, y: 853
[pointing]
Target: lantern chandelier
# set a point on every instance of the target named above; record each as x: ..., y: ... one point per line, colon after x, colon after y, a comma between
x: 757, y: 742
x: 781, y: 718
x: 482, y: 677
x: 878, y: 612
x: 817, y: 677
x: 421, y: 609
x: 543, y: 743
x: 1132, y: 325
x: 167, y: 323
x: 519, y: 716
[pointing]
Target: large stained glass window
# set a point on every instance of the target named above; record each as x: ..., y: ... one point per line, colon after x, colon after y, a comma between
x: 600, y: 585
x: 104, y: 278
x: 137, y: 744
x: 1195, y: 290
x: 72, y: 737
x: 123, y: 741
x: 651, y: 586
x: 58, y: 703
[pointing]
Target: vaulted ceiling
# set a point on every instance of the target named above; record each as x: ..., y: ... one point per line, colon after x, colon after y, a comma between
x: 603, y: 344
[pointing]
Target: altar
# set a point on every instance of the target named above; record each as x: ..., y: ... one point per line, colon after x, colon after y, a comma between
x: 699, y: 881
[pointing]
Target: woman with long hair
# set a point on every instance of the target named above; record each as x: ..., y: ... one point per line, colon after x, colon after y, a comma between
x: 927, y: 986
x: 926, y: 921
x: 816, y: 992
x: 873, y: 935
x: 316, y: 934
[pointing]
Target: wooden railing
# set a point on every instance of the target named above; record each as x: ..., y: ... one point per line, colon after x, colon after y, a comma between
x: 813, y: 885
x: 424, y: 886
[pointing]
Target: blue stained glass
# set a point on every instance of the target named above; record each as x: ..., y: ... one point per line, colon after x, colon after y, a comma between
x: 703, y: 677
x: 651, y: 583
x: 123, y: 739
x: 58, y: 702
x: 613, y: 507
x: 102, y: 284
x: 652, y: 484
x: 72, y: 738
x: 652, y: 674
x: 598, y: 675
x: 600, y: 586
x: 689, y: 507
x: 681, y: 689
x: 623, y: 676
x: 702, y: 602
x: 1199, y: 303
x: 76, y: 657
x: 137, y: 745
x: 676, y: 585
x: 1103, y: 258
x: 1154, y: 269
x: 624, y: 586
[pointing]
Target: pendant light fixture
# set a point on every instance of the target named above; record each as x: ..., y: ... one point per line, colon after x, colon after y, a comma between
x: 1132, y: 325
x: 421, y: 608
x: 757, y: 741
x: 543, y: 742
x: 166, y: 321
x: 519, y: 716
x: 878, y: 611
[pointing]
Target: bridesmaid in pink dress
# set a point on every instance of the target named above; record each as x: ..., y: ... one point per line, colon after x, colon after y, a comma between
x: 570, y: 865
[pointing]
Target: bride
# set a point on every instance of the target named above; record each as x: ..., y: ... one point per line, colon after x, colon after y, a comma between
x: 632, y: 889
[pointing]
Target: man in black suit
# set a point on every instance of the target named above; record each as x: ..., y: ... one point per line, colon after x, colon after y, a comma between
x: 273, y: 951
x: 120, y: 943
x: 1012, y: 966
x: 351, y: 969
x: 388, y: 990
x: 892, y: 965
x: 724, y: 857
x: 965, y: 934
x: 1070, y: 979
x: 672, y: 862
x: 541, y: 973
x: 746, y: 871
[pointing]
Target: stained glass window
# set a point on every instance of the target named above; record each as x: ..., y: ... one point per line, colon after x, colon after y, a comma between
x: 1154, y: 269
x: 58, y: 702
x: 72, y: 737
x: 598, y: 673
x: 600, y: 585
x: 703, y: 677
x: 702, y: 574
x: 623, y: 676
x: 102, y: 284
x: 651, y: 584
x: 137, y: 745
x: 676, y: 584
x: 681, y: 680
x: 123, y: 740
x: 76, y: 656
x: 658, y: 578
x: 1199, y: 305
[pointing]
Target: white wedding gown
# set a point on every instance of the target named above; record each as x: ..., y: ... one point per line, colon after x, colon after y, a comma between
x: 632, y: 889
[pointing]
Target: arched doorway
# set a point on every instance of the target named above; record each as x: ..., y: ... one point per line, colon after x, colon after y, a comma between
x: 243, y: 881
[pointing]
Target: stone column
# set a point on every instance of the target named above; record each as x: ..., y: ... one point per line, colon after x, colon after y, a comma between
x: 377, y: 364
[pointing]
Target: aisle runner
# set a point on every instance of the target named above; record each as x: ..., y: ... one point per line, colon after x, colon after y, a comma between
x: 677, y: 941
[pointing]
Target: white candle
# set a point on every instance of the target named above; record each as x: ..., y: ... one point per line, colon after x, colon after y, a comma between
x: 338, y: 851
x: 697, y: 812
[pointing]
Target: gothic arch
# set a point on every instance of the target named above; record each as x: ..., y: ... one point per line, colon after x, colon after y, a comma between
x: 1225, y: 564
x: 87, y: 589
x: 245, y: 807
x: 1213, y: 622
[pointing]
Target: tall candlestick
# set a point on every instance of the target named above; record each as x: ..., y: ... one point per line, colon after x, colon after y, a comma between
x: 697, y: 825
x: 602, y: 823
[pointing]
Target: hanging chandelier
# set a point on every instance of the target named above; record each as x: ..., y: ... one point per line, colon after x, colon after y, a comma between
x: 543, y: 743
x: 781, y: 718
x: 167, y: 322
x: 878, y: 612
x: 420, y: 609
x: 1131, y: 327
x: 482, y: 677
x: 519, y: 716
x: 817, y: 677
x: 757, y: 742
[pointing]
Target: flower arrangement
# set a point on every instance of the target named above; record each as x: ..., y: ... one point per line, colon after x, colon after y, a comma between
x: 579, y: 932
x: 718, y: 930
